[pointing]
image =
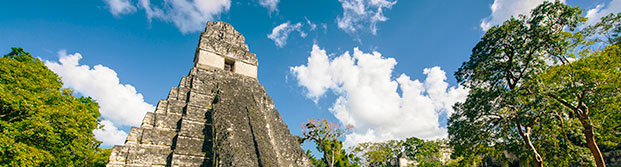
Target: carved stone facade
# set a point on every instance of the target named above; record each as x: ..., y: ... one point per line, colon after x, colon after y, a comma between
x: 215, y: 117
x: 220, y: 46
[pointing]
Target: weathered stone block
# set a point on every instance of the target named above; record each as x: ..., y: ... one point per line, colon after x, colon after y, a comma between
x: 118, y: 155
x: 195, y: 129
x: 197, y: 98
x: 148, y: 155
x: 167, y: 121
x: 148, y: 121
x: 183, y: 82
x: 172, y: 94
x: 180, y: 160
x: 199, y: 112
x: 158, y: 137
x: 192, y: 146
x: 175, y: 107
x: 134, y: 135
x: 201, y: 86
x: 162, y: 105
x: 183, y: 93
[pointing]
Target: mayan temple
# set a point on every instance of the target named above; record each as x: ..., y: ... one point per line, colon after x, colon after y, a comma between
x: 219, y: 115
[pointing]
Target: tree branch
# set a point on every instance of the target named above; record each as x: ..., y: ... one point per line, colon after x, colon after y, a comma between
x: 565, y: 103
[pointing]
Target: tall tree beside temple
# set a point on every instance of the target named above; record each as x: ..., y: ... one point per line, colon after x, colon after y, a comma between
x: 501, y: 117
x: 42, y: 124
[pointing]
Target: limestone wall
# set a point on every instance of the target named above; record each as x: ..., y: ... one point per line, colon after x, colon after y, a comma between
x: 205, y: 58
x: 213, y: 118
x: 221, y: 42
x: 222, y: 39
x: 246, y: 69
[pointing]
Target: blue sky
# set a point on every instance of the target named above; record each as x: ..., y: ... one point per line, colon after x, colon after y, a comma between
x: 398, y: 82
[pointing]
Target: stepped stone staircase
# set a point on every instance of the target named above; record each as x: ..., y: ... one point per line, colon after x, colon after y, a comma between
x: 215, y: 117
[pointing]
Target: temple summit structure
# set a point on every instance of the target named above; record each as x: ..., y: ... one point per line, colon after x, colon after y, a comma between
x: 219, y: 115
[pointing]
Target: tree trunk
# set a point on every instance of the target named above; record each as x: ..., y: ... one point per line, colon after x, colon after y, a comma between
x: 329, y: 161
x: 526, y: 137
x: 538, y: 159
x: 590, y: 139
x: 332, y: 164
x: 582, y: 111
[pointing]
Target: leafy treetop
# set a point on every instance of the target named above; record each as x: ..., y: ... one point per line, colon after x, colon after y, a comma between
x: 40, y: 123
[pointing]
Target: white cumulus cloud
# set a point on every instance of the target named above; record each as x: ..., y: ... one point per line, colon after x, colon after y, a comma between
x: 602, y: 10
x: 503, y: 10
x: 362, y: 14
x: 120, y: 104
x: 110, y: 135
x: 271, y: 5
x: 281, y: 32
x: 368, y: 98
x: 187, y: 15
x: 120, y: 7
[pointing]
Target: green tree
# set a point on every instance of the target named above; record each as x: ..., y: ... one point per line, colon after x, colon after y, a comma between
x: 589, y: 90
x: 315, y: 161
x: 325, y: 135
x: 377, y: 153
x: 101, y: 157
x: 606, y: 31
x: 499, y: 116
x: 428, y: 153
x: 40, y: 123
x: 424, y: 153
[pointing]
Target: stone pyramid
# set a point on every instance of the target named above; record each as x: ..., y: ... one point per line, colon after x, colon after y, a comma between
x: 219, y: 115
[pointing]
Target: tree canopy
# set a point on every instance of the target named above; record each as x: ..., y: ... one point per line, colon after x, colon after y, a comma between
x: 325, y: 135
x: 420, y: 152
x: 588, y: 91
x: 42, y: 124
x: 538, y: 93
x: 501, y: 108
x: 377, y: 153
